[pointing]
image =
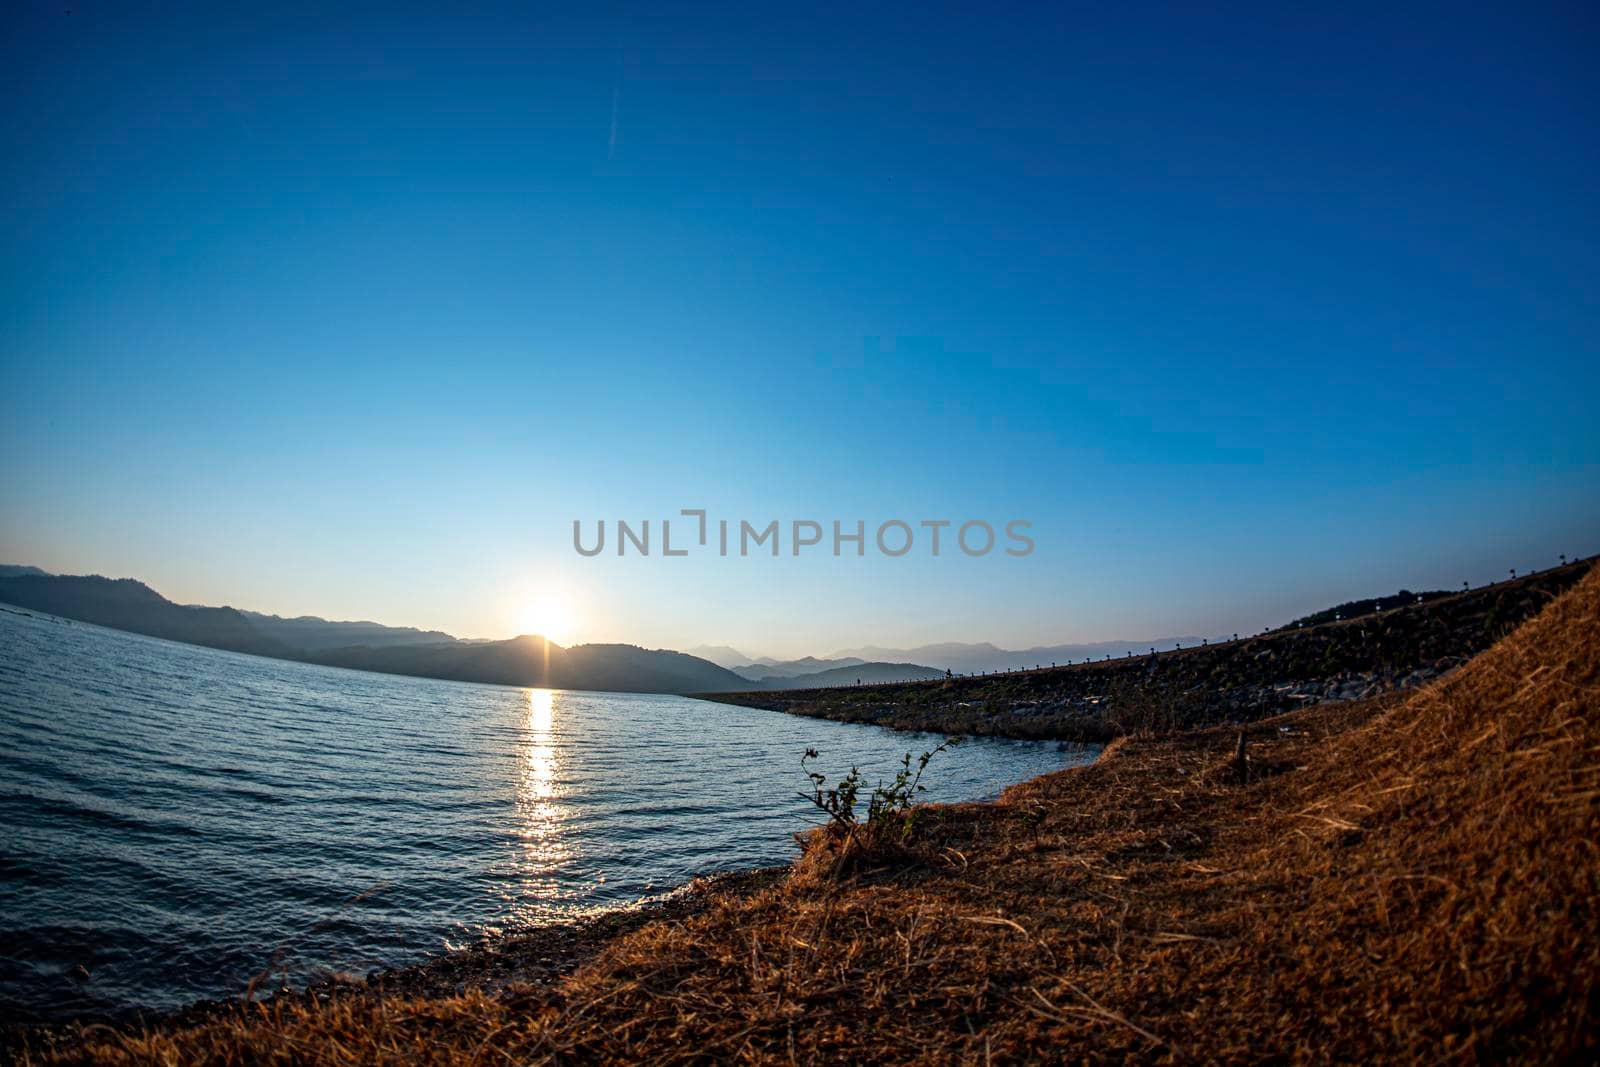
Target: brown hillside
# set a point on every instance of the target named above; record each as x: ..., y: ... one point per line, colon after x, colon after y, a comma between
x: 1407, y: 878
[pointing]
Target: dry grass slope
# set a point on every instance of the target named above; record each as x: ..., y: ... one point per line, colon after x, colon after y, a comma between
x: 1409, y: 879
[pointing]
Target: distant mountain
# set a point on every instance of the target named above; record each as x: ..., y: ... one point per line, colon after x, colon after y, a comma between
x: 15, y: 570
x: 721, y: 655
x: 313, y: 634
x: 766, y: 667
x: 975, y: 658
x: 125, y: 604
x: 953, y: 655
x: 850, y: 674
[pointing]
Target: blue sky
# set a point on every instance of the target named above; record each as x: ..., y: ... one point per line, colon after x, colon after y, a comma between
x: 1246, y: 310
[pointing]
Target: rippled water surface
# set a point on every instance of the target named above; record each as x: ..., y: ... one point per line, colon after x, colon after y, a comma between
x: 175, y: 818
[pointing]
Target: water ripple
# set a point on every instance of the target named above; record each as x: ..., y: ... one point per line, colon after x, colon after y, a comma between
x: 176, y: 819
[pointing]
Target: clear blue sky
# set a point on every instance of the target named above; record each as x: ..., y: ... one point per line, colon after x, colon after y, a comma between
x: 340, y: 311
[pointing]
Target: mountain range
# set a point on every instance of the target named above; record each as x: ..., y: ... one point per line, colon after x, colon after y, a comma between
x: 312, y: 633
x: 127, y: 604
x: 766, y: 667
x: 934, y: 660
x: 809, y: 672
x: 850, y: 674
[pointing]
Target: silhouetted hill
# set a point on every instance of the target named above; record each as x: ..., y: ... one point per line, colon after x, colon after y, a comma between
x: 630, y: 669
x: 533, y: 661
x: 15, y: 570
x: 125, y: 604
x: 313, y: 634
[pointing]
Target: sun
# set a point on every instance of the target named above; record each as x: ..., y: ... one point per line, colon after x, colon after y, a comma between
x: 547, y: 616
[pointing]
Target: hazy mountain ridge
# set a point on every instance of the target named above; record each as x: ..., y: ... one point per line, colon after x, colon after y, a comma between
x: 809, y: 672
x: 850, y: 674
x: 313, y: 633
x: 721, y: 655
x: 766, y: 667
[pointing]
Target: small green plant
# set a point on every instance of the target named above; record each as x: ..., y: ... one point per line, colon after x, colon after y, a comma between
x: 838, y: 801
x: 884, y: 804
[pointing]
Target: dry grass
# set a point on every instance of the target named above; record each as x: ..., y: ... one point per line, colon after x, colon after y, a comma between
x: 1406, y: 879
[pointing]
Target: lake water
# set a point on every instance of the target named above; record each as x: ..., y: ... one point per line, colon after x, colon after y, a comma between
x: 175, y: 817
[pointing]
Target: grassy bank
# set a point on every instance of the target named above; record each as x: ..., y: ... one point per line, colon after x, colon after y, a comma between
x: 1234, y: 682
x: 1405, y: 878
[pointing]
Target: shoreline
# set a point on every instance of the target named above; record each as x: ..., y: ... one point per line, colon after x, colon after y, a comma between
x: 535, y: 957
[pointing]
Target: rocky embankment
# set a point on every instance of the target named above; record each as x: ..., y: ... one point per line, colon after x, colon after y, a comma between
x: 1233, y: 682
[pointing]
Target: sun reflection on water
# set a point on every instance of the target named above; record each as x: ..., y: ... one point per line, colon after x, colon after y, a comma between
x: 546, y: 850
x: 539, y: 756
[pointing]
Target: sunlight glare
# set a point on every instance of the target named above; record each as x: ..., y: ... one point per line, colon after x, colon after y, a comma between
x: 548, y: 617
